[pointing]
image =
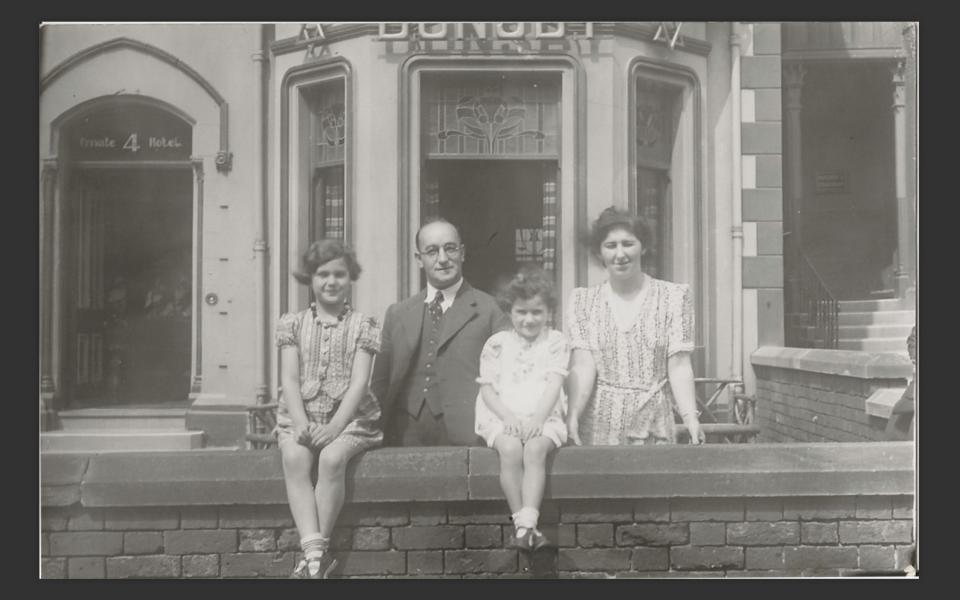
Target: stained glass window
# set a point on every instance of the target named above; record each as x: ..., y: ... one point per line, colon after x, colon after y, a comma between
x: 657, y: 109
x: 327, y: 119
x: 500, y: 115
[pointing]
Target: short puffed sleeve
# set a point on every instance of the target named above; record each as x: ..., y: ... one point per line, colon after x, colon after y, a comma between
x: 288, y: 330
x: 558, y: 354
x: 490, y: 360
x: 578, y: 320
x: 680, y: 325
x: 369, y: 336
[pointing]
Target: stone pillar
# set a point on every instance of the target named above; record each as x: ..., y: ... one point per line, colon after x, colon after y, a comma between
x: 793, y: 75
x: 196, y: 369
x: 47, y: 387
x: 904, y: 267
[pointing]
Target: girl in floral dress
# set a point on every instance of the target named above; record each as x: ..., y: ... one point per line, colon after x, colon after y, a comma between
x: 520, y: 405
x: 631, y: 339
x: 326, y: 414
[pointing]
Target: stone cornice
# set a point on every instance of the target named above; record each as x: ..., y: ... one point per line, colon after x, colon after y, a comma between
x: 848, y: 363
x: 218, y: 477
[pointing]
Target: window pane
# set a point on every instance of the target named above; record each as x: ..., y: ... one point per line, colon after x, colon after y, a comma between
x: 327, y: 117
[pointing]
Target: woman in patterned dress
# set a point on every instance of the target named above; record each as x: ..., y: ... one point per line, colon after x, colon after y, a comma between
x: 326, y: 414
x: 631, y: 338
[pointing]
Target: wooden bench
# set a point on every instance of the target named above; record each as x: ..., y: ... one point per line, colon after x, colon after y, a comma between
x: 736, y: 424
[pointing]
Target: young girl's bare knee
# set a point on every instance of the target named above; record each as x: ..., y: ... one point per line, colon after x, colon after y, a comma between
x: 520, y: 405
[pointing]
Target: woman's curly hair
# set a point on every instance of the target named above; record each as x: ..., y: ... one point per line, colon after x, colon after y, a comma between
x: 612, y: 218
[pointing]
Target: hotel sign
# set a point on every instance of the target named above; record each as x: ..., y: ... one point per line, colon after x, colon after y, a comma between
x: 130, y: 133
x: 504, y: 30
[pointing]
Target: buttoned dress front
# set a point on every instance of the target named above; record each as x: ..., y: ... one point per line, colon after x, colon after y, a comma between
x: 326, y: 352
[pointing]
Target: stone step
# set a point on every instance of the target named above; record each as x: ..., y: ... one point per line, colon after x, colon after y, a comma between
x: 885, y: 317
x: 127, y: 441
x: 873, y: 305
x: 883, y: 294
x: 853, y: 332
x: 124, y: 419
x: 898, y: 345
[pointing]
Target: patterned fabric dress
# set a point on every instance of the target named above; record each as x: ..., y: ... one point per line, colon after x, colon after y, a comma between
x: 517, y: 369
x: 326, y: 353
x: 631, y: 401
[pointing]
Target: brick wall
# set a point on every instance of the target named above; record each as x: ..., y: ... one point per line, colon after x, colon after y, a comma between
x: 813, y: 395
x: 800, y: 406
x: 727, y: 510
x: 615, y: 537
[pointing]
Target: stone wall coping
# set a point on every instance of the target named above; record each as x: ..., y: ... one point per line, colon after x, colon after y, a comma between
x: 881, y: 402
x: 254, y: 477
x: 848, y: 363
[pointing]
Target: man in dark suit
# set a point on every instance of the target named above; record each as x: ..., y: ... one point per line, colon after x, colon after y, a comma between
x: 425, y: 374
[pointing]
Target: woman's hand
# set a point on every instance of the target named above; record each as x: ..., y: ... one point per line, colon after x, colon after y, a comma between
x: 513, y: 426
x: 321, y: 435
x: 573, y: 430
x: 697, y: 436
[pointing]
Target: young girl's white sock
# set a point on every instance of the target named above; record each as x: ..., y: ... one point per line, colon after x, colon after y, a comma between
x: 526, y: 517
x: 313, y: 546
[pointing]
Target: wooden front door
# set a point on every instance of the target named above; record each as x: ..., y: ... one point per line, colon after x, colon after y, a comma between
x: 129, y: 288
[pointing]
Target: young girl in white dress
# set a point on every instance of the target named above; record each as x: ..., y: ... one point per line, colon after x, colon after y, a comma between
x: 520, y: 406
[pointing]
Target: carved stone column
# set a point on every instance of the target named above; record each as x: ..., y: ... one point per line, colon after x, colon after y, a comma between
x: 47, y: 387
x: 793, y: 75
x: 904, y: 267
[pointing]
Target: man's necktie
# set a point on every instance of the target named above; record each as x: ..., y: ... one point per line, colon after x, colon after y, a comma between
x: 436, y: 311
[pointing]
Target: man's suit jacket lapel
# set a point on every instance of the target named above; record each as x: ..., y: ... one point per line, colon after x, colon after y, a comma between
x: 412, y: 322
x: 464, y: 309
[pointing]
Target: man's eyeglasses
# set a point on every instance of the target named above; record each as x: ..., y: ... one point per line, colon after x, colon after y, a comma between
x: 451, y: 250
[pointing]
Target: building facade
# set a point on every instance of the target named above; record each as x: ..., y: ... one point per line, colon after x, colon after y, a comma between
x: 185, y: 168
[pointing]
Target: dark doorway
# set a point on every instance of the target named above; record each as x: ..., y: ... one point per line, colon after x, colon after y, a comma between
x: 129, y: 292
x: 498, y: 205
x: 848, y: 229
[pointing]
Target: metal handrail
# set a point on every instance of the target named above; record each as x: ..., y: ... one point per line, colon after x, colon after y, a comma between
x: 815, y: 312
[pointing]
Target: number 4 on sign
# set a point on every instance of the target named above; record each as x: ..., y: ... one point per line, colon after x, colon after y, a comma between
x: 131, y: 143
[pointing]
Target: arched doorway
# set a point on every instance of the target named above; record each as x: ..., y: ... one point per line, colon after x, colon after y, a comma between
x: 127, y: 255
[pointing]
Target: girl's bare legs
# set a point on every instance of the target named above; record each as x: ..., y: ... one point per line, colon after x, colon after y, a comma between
x: 331, y: 485
x: 535, y: 453
x: 297, y: 465
x: 510, y: 450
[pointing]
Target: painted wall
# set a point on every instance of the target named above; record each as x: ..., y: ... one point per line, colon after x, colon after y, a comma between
x: 762, y: 191
x: 221, y: 54
x: 376, y: 68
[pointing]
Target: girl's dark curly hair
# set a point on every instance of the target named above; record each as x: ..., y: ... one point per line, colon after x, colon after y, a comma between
x: 528, y: 283
x: 323, y: 251
x: 611, y: 218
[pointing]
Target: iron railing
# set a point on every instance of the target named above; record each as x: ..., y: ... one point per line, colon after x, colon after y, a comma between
x: 814, y: 312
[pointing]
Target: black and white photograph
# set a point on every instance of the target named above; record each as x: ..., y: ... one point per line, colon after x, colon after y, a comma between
x: 530, y: 300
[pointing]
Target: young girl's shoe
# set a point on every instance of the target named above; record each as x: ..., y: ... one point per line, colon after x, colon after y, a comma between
x: 315, y: 568
x: 520, y: 539
x: 537, y: 540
